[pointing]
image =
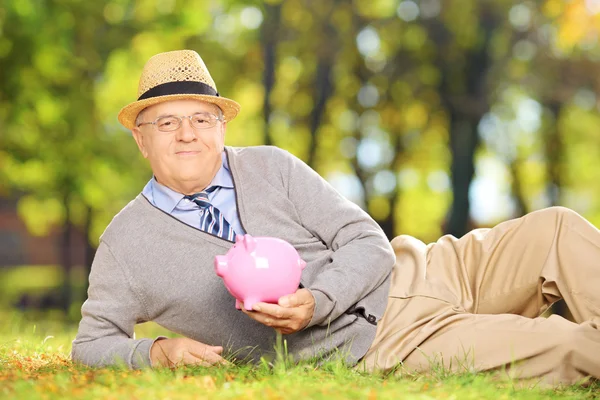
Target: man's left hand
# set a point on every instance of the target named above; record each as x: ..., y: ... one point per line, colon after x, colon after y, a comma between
x: 292, y: 313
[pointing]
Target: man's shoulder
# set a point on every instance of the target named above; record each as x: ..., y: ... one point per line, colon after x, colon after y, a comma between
x: 127, y: 220
x: 257, y: 165
x: 258, y: 153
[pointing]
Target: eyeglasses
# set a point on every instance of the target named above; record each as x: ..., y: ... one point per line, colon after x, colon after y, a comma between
x: 171, y: 123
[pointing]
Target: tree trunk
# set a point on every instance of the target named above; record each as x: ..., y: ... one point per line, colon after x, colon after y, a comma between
x: 463, y: 143
x: 388, y: 225
x: 323, y: 90
x: 66, y: 256
x: 517, y: 188
x: 269, y: 34
x: 466, y: 107
x: 554, y: 155
x: 90, y: 250
x: 323, y: 86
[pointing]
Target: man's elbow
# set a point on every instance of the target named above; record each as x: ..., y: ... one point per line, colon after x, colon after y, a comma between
x: 82, y: 354
x: 77, y: 354
x: 386, y: 263
x: 387, y: 255
x: 390, y: 259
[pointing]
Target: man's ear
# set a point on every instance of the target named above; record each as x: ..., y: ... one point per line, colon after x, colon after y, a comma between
x: 139, y: 139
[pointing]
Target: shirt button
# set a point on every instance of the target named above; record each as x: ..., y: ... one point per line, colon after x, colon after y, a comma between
x: 201, y: 212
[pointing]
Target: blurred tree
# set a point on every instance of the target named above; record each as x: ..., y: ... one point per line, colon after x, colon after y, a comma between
x: 270, y: 34
x: 396, y: 102
x: 54, y: 142
x: 465, y: 96
x: 552, y: 59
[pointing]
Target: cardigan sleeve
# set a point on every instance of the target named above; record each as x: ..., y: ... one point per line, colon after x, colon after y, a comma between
x: 106, y: 331
x: 362, y: 256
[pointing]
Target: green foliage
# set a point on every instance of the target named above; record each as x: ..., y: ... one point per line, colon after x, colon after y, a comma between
x: 371, y: 91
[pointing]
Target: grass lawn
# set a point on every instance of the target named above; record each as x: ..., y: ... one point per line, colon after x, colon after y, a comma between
x: 35, y: 364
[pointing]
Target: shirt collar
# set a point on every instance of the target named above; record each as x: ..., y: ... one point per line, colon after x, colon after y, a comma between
x: 167, y: 199
x: 223, y: 177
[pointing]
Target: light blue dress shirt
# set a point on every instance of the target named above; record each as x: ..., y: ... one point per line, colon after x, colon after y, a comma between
x: 187, y: 211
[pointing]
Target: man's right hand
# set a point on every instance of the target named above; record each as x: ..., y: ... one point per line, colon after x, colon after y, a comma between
x: 184, y: 351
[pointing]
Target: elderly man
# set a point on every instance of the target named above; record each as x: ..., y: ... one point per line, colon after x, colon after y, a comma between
x: 469, y: 303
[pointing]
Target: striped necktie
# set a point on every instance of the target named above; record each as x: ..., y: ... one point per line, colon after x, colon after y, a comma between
x: 211, y: 219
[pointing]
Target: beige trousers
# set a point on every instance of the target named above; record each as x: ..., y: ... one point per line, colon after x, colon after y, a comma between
x: 474, y: 304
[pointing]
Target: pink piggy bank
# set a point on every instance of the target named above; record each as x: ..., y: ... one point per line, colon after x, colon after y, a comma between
x: 259, y: 269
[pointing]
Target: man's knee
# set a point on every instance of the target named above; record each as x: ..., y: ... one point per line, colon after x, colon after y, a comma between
x: 562, y: 362
x: 571, y: 348
x: 403, y: 242
x: 559, y: 212
x: 551, y: 218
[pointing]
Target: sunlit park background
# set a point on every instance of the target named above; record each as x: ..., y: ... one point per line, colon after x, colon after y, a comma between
x: 436, y: 116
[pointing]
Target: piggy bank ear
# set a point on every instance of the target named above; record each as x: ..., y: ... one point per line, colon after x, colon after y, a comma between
x: 249, y: 243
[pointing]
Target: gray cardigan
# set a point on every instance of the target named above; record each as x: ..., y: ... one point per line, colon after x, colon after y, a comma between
x: 150, y: 266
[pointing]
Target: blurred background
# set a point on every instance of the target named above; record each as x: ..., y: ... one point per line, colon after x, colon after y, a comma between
x: 436, y: 116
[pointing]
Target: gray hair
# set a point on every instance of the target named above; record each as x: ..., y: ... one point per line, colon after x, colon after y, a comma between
x: 138, y: 119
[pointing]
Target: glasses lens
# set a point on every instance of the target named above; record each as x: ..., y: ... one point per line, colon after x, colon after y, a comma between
x: 167, y: 124
x: 203, y: 120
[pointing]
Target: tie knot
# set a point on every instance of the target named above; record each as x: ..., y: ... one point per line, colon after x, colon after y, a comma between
x: 200, y: 198
x: 200, y: 195
x: 211, y: 219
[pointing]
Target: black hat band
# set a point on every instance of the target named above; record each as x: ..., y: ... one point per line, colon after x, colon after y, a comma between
x: 179, y: 87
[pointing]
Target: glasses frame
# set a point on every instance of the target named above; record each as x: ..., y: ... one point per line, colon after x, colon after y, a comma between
x: 180, y: 119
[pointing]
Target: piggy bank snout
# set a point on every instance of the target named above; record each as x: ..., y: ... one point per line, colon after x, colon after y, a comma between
x: 221, y: 265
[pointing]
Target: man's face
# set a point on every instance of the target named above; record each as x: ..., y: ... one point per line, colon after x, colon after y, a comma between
x: 185, y: 159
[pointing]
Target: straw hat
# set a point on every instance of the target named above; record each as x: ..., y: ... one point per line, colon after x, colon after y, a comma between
x: 176, y: 75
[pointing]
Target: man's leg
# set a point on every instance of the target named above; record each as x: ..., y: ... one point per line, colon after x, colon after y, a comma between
x: 422, y: 333
x: 518, y: 267
x: 524, y: 265
x: 555, y: 350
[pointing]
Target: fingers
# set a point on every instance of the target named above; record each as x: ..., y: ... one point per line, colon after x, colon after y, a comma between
x: 207, y: 360
x: 185, y: 351
x: 273, y: 310
x: 208, y: 354
x: 293, y: 321
x: 266, y: 319
x: 288, y: 301
x: 190, y: 359
x: 300, y: 298
x: 292, y: 313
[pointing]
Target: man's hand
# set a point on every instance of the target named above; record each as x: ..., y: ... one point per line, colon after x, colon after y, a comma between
x: 184, y: 351
x: 292, y: 313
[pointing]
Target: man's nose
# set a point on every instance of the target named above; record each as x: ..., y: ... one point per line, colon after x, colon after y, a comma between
x: 186, y: 132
